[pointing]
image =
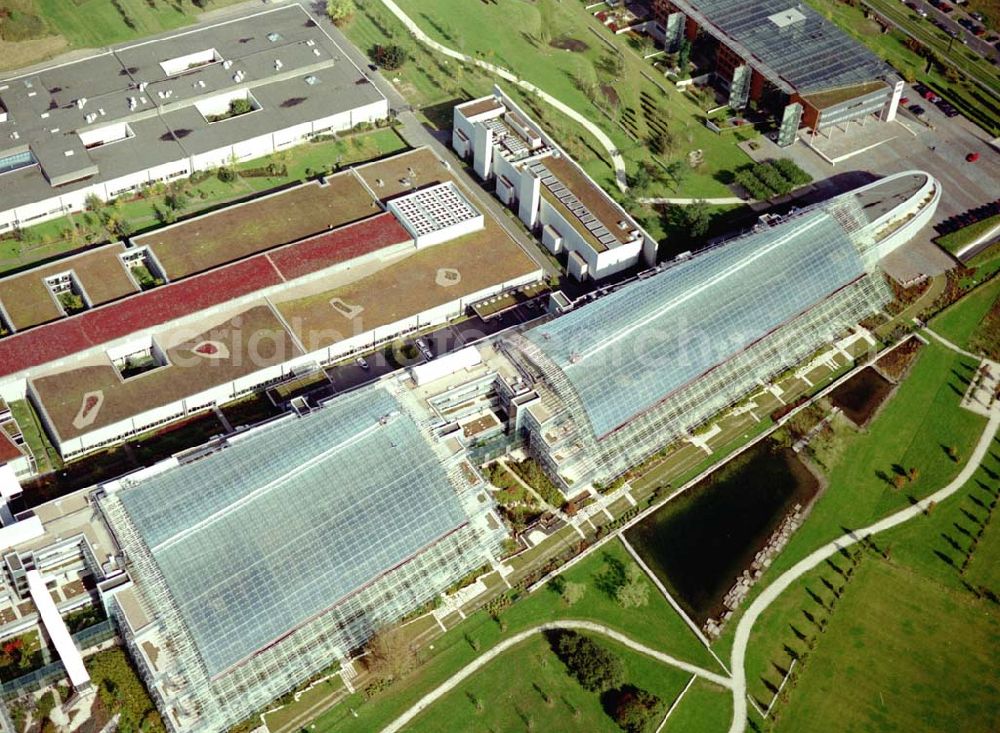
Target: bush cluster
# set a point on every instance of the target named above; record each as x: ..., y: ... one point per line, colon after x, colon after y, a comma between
x: 771, y: 178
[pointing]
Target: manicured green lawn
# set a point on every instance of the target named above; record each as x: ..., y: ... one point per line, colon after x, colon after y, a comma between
x: 704, y: 709
x: 288, y: 714
x: 614, y: 94
x: 900, y: 654
x: 956, y: 240
x: 912, y: 431
x: 655, y: 625
x: 541, y: 691
x: 931, y: 548
x: 46, y: 456
x: 958, y: 324
x: 95, y: 23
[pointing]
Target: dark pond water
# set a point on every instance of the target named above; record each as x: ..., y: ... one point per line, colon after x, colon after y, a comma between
x: 701, y: 541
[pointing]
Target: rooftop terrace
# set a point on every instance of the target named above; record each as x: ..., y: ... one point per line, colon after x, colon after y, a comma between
x: 100, y: 273
x: 93, y: 394
x: 235, y: 232
x: 344, y: 304
x: 403, y: 173
x: 583, y: 204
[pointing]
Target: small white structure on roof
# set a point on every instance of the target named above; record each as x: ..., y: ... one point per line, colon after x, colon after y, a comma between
x: 19, y: 532
x: 445, y: 366
x: 436, y: 214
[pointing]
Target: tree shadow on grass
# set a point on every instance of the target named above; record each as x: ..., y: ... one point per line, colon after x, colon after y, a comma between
x: 613, y: 576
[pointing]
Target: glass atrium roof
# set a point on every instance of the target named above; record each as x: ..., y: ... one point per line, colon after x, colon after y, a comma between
x: 259, y: 538
x: 798, y: 44
x: 627, y: 351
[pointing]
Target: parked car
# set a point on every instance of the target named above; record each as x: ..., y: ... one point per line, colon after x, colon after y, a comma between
x: 916, y: 109
x: 425, y: 349
x: 972, y: 157
x: 904, y: 101
x: 362, y: 362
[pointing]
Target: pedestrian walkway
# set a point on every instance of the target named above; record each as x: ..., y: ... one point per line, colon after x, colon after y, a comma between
x: 468, y: 670
x: 618, y: 163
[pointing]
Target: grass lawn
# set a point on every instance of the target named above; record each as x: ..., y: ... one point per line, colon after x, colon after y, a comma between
x: 46, y: 456
x: 97, y: 23
x: 958, y: 324
x: 984, y: 567
x: 912, y: 431
x: 655, y: 625
x: 900, y: 654
x: 927, y: 553
x: 287, y: 715
x: 704, y: 709
x: 54, y: 237
x: 614, y: 93
x: 956, y: 240
x: 542, y: 695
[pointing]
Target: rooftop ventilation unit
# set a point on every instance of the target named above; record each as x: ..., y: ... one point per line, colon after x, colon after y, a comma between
x: 278, y: 64
x: 81, y: 102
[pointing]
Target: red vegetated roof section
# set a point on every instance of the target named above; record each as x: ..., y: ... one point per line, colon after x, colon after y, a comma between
x: 139, y: 312
x: 340, y: 245
x: 8, y: 450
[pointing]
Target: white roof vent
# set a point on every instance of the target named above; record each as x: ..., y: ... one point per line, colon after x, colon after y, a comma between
x: 227, y: 64
x: 81, y: 102
x: 277, y: 64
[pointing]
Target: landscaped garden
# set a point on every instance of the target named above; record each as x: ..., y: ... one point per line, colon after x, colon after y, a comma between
x: 545, y: 694
x: 571, y: 55
x: 20, y: 655
x: 592, y: 591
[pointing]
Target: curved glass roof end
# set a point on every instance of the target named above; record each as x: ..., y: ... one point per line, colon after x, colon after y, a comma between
x: 629, y: 350
x: 261, y: 537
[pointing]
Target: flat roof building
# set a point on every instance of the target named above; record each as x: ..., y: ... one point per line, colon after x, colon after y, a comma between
x: 786, y: 56
x: 551, y: 194
x: 286, y: 549
x: 248, y: 295
x: 162, y: 109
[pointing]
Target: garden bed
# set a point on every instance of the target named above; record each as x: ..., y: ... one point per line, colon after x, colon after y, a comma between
x: 860, y: 396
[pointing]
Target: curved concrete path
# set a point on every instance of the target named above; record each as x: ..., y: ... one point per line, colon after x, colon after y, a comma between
x: 452, y: 682
x: 616, y: 159
x: 724, y: 201
x: 774, y: 589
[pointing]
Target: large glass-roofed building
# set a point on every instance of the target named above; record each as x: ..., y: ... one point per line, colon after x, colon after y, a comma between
x: 265, y: 562
x: 623, y: 376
